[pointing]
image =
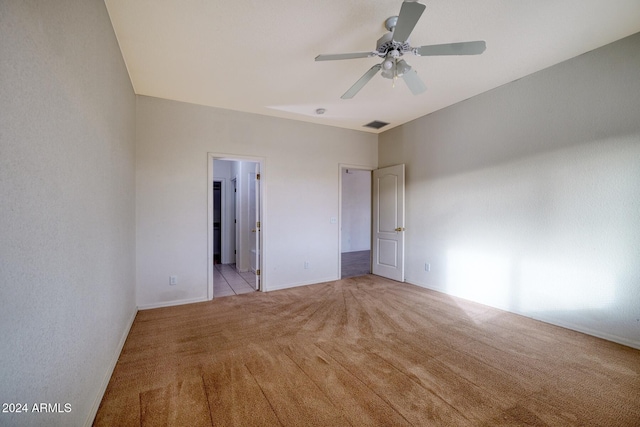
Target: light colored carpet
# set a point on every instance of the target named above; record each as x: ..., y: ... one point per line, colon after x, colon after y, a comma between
x: 364, y: 351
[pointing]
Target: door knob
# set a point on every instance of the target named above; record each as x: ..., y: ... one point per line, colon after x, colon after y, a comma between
x: 400, y: 229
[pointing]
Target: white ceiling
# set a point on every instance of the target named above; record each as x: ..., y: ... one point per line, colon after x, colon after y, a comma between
x: 258, y: 56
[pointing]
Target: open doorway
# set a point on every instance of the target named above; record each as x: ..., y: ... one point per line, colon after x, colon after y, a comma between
x: 234, y: 228
x: 355, y: 224
x: 217, y: 220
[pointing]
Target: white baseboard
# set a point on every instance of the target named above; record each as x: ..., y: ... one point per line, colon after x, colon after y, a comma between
x: 112, y: 366
x: 551, y: 321
x: 587, y: 331
x: 171, y: 303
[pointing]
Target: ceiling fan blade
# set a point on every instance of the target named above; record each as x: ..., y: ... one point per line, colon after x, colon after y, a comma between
x: 463, y: 48
x: 333, y: 57
x: 410, y: 13
x: 361, y: 82
x: 416, y: 85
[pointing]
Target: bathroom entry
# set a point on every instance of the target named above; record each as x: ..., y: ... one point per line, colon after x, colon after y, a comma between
x: 235, y: 225
x: 217, y: 221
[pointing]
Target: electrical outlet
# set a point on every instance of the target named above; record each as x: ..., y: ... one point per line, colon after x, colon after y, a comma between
x: 427, y: 266
x: 173, y: 280
x: 306, y: 265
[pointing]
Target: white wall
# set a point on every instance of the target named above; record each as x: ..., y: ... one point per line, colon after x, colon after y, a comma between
x: 527, y: 197
x: 301, y: 194
x: 356, y: 210
x: 67, y: 248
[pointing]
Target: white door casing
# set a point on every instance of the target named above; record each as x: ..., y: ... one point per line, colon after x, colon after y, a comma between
x: 388, y: 222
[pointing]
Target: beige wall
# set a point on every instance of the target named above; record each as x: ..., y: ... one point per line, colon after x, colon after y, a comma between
x: 67, y: 258
x: 301, y: 193
x: 527, y: 197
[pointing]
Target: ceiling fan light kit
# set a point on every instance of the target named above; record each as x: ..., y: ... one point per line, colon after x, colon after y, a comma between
x: 394, y: 44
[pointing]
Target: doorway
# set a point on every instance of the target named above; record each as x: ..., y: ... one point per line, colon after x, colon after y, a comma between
x: 217, y: 221
x: 355, y: 224
x: 234, y: 226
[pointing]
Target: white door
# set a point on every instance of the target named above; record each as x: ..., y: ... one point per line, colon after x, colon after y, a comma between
x: 254, y: 222
x: 388, y: 222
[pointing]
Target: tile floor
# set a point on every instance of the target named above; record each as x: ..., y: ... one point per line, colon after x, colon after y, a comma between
x: 228, y: 281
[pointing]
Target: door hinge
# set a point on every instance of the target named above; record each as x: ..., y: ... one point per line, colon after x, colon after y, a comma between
x: 235, y: 252
x: 258, y: 176
x: 258, y: 224
x: 257, y: 272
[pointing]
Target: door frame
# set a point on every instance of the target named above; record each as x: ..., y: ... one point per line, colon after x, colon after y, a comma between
x: 211, y: 156
x: 342, y: 166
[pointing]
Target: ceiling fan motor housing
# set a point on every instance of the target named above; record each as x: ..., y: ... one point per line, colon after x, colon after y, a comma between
x: 386, y: 44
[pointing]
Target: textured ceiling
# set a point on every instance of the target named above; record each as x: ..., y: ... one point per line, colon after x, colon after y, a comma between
x: 258, y: 56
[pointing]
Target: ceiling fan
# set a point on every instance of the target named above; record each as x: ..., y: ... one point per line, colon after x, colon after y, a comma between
x: 394, y: 44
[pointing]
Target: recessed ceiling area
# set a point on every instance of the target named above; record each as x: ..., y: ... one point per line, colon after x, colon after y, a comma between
x: 258, y: 57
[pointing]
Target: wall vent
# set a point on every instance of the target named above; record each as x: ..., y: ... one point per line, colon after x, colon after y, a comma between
x: 376, y: 124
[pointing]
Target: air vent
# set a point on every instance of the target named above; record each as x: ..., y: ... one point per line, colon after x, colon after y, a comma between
x: 376, y: 124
